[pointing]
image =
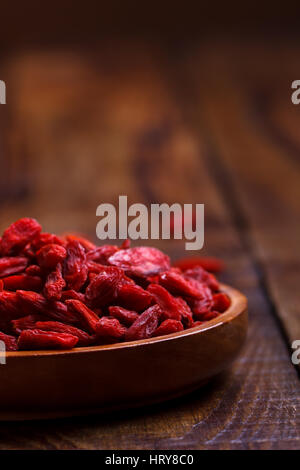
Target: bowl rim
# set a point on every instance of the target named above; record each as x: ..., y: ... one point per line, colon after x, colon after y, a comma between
x: 237, y: 307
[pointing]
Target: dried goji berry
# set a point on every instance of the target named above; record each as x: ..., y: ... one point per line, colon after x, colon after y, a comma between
x: 50, y: 255
x: 210, y: 315
x: 25, y: 323
x: 46, y: 239
x: 167, y: 327
x: 33, y: 270
x: 23, y: 281
x: 84, y: 339
x: 111, y: 328
x: 221, y: 302
x: 168, y: 304
x: 186, y: 312
x: 126, y: 317
x: 39, y: 339
x: 54, y: 284
x: 199, y: 274
x: 12, y: 265
x: 102, y: 253
x: 33, y: 302
x: 145, y: 325
x: 87, y: 317
x: 9, y: 341
x: 103, y: 288
x: 178, y: 285
x: 28, y: 251
x: 133, y: 297
x: 213, y: 265
x: 140, y: 261
x: 201, y: 307
x: 87, y: 244
x: 10, y: 307
x: 18, y: 234
x: 72, y: 294
x: 75, y: 269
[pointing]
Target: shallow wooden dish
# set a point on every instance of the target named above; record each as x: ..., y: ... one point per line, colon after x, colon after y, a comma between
x: 49, y: 384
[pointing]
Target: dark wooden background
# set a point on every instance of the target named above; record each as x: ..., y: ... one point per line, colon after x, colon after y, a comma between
x: 192, y: 118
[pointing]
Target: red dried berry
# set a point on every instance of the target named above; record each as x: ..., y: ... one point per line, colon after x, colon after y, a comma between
x: 29, y: 252
x: 167, y: 327
x: 87, y: 318
x: 33, y: 270
x: 178, y: 285
x: 103, y: 288
x: 75, y: 269
x: 111, y: 328
x: 95, y: 268
x: 168, y: 304
x: 50, y: 255
x: 199, y: 274
x: 221, y: 302
x: 145, y: 325
x: 126, y: 317
x: 10, y: 307
x: 18, y: 234
x: 133, y: 297
x: 39, y: 339
x: 140, y: 261
x: 87, y: 244
x: 84, y: 339
x: 32, y: 302
x: 186, y: 313
x: 10, y: 342
x: 213, y: 265
x: 12, y: 265
x: 1, y: 285
x: 72, y: 294
x: 23, y: 282
x: 25, y: 323
x: 46, y: 239
x: 210, y: 316
x: 102, y: 253
x: 54, y: 284
x: 200, y: 308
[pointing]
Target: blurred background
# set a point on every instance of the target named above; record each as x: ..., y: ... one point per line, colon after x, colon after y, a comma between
x: 164, y: 102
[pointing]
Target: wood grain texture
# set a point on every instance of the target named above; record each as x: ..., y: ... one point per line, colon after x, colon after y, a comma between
x: 133, y: 120
x: 254, y: 149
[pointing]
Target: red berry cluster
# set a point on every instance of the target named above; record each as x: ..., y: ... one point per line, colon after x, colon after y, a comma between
x: 61, y: 292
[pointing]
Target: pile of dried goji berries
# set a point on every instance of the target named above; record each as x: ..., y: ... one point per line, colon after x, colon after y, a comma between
x: 62, y: 292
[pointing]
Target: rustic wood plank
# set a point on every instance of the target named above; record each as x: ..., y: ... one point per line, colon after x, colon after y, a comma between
x: 244, y: 107
x: 126, y: 133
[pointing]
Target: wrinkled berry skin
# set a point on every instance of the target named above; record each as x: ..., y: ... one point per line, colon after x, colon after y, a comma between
x: 140, y: 261
x: 40, y: 339
x: 75, y: 268
x: 17, y: 235
x: 50, y: 255
x: 103, y: 288
x: 145, y: 325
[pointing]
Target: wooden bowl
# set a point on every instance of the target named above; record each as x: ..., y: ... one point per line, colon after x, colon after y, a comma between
x: 48, y: 384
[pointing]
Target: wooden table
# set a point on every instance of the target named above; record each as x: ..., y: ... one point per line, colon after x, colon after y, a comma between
x: 209, y: 122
